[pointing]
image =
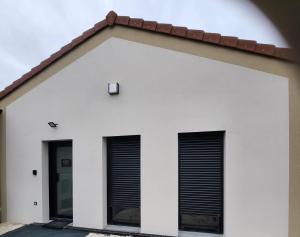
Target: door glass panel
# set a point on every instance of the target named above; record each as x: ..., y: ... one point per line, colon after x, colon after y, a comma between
x: 64, y: 181
x: 60, y: 180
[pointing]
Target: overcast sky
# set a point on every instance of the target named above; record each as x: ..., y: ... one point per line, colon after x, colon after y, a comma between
x: 31, y: 30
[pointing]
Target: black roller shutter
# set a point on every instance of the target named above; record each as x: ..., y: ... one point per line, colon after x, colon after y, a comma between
x: 201, y: 181
x: 124, y: 180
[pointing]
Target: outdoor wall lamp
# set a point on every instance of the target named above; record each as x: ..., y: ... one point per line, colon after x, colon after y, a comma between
x: 52, y: 124
x: 113, y: 88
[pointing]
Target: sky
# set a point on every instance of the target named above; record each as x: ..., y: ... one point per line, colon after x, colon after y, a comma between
x: 31, y: 30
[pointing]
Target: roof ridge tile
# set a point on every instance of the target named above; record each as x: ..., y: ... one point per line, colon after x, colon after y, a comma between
x: 230, y: 41
x: 248, y: 45
x: 195, y: 34
x: 150, y: 25
x: 179, y: 31
x: 268, y: 49
x: 163, y: 28
x: 122, y: 20
x: 111, y: 17
x: 136, y: 22
x: 211, y: 37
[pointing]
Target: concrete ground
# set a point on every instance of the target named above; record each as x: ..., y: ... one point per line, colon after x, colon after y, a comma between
x: 6, y: 227
x: 19, y: 230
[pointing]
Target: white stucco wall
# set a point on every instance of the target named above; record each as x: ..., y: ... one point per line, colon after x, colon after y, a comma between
x: 162, y: 93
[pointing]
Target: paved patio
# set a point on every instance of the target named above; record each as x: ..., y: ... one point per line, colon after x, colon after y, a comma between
x: 35, y: 230
x: 6, y: 227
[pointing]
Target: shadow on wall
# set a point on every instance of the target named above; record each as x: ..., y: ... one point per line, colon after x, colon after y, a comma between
x: 285, y: 16
x: 1, y: 173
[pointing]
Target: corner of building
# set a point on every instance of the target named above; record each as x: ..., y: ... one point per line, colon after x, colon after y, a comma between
x: 3, y: 216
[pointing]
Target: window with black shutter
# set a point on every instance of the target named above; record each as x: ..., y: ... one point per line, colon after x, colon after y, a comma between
x: 123, y: 180
x: 201, y: 181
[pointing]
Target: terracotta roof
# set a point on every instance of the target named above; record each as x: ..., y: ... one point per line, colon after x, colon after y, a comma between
x: 197, y: 35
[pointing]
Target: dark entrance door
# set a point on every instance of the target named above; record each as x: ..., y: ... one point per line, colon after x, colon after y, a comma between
x: 60, y: 180
x: 123, y: 185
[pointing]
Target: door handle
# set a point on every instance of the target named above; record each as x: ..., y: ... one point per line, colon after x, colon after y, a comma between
x: 57, y: 177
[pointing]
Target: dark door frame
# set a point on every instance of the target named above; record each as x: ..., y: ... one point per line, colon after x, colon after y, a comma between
x: 52, y: 146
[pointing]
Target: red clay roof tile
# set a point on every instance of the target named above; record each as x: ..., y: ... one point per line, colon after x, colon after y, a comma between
x: 211, y: 37
x: 150, y: 25
x: 111, y: 17
x: 122, y: 20
x: 179, y: 31
x: 164, y: 28
x: 283, y: 53
x: 134, y: 22
x: 195, y: 34
x: 100, y: 25
x: 176, y: 31
x: 88, y: 33
x: 267, y: 49
x: 248, y: 45
x: 229, y: 41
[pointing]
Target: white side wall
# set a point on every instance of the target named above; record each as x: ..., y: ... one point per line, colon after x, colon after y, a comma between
x: 162, y: 93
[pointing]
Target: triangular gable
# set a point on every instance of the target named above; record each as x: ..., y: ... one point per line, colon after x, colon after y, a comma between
x: 196, y: 35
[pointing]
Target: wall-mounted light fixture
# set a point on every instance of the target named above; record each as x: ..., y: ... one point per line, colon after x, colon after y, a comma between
x: 52, y: 124
x: 113, y: 88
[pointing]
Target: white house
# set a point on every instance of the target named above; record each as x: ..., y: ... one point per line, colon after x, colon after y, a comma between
x: 155, y: 129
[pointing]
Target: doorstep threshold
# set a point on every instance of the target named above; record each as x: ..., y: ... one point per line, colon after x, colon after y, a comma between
x: 128, y: 229
x: 183, y: 233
